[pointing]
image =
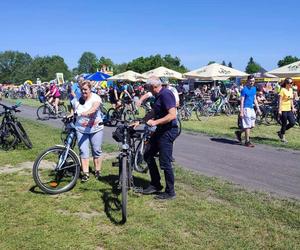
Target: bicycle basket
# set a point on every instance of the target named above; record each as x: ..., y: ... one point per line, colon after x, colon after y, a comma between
x: 42, y: 99
x: 118, y: 134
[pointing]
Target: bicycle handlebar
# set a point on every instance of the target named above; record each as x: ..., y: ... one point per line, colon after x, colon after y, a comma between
x: 72, y: 119
x: 131, y: 121
x: 14, y: 107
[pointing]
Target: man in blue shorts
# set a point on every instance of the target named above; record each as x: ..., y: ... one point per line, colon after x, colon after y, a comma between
x: 247, y: 114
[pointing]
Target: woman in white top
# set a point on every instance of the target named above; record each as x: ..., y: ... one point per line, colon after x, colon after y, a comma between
x: 89, y: 128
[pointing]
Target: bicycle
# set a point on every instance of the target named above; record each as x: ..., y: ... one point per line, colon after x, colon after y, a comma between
x: 57, y: 169
x: 220, y: 106
x: 47, y: 109
x: 268, y: 115
x: 120, y: 114
x: 142, y: 147
x: 12, y: 131
x: 186, y: 110
x: 125, y: 134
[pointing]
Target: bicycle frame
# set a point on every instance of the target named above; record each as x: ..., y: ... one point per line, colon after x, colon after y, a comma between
x: 68, y: 144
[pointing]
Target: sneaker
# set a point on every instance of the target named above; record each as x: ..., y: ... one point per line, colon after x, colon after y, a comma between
x: 152, y: 190
x: 238, y: 135
x: 85, y: 178
x: 249, y: 144
x: 165, y: 196
x: 283, y: 139
x: 280, y: 135
x: 98, y: 175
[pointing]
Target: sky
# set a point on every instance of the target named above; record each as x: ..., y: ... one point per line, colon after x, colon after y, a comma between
x: 196, y: 31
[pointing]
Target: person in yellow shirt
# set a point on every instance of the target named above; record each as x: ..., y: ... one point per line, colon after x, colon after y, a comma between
x: 286, y: 108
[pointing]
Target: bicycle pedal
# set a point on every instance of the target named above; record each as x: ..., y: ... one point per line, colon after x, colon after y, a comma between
x: 115, y: 164
x: 137, y: 189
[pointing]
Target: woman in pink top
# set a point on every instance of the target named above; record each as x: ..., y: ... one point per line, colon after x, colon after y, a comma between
x: 54, y: 95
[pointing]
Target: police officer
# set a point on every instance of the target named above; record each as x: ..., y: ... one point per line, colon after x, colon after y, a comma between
x: 164, y: 117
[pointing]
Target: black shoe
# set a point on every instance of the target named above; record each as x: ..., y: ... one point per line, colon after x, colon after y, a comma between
x: 152, y: 190
x: 249, y: 144
x: 98, y: 175
x: 165, y: 196
x: 279, y: 135
x: 238, y: 135
x: 85, y: 178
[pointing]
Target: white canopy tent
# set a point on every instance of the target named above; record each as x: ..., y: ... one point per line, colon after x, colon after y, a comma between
x: 214, y: 71
x: 163, y: 72
x: 290, y: 70
x: 128, y: 76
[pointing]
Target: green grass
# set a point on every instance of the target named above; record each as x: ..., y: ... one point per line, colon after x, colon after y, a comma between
x: 42, y: 137
x: 25, y: 101
x: 207, y: 213
x: 226, y: 125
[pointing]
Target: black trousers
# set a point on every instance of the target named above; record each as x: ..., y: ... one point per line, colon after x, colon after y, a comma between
x: 162, y: 142
x: 287, y: 116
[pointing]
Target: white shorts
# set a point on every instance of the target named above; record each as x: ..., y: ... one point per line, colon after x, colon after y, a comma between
x: 249, y: 118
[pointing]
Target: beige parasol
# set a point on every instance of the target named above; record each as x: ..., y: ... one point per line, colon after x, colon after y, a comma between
x: 214, y: 71
x: 290, y: 70
x: 128, y: 76
x: 163, y: 72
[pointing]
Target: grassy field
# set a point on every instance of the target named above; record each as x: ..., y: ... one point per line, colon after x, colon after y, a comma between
x: 207, y: 213
x: 25, y: 101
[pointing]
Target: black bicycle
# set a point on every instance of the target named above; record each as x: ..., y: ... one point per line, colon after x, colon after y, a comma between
x: 122, y: 113
x: 269, y: 114
x: 57, y: 169
x: 126, y: 135
x: 12, y: 131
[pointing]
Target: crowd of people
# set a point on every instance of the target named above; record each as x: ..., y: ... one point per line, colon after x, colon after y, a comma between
x: 87, y: 96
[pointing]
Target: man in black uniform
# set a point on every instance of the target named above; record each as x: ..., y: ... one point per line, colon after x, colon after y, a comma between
x: 164, y: 117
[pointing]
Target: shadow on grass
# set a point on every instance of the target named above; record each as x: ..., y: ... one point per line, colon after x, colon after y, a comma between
x: 36, y: 190
x: 261, y: 139
x: 226, y: 141
x: 111, y: 197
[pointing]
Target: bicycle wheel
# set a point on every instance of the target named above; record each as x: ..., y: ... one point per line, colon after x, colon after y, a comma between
x: 139, y: 163
x: 269, y: 118
x: 112, y: 116
x: 62, y: 110
x: 8, y: 138
x: 124, y: 188
x: 51, y: 178
x: 20, y: 131
x: 259, y: 118
x: 43, y: 112
x: 199, y: 112
x: 184, y: 113
x: 227, y: 109
x: 129, y: 115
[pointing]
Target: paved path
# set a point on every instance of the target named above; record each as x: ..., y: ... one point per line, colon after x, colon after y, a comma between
x: 262, y: 168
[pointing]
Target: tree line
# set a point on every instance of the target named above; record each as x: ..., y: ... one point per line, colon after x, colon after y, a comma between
x: 17, y: 67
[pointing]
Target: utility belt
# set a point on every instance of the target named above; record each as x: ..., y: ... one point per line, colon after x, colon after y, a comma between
x: 165, y: 127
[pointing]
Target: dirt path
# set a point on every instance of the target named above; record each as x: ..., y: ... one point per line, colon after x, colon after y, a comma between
x: 7, y: 169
